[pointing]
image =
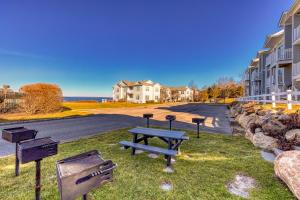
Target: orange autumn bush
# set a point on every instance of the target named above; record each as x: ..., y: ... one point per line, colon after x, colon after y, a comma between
x: 41, y: 98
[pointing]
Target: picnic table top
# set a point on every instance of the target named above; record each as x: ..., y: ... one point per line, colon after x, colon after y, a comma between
x: 158, y: 132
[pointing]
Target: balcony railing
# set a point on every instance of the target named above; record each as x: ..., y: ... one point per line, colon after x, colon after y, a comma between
x: 285, y: 54
x: 268, y: 80
x: 296, y: 35
x: 254, y: 76
x: 296, y: 69
x: 271, y: 59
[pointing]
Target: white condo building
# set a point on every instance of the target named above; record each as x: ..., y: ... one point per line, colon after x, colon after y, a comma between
x: 136, y: 92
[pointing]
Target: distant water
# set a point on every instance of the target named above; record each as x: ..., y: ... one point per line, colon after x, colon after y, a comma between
x: 99, y: 99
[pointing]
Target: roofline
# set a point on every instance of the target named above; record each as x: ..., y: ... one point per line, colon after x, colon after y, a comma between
x: 272, y: 35
x: 282, y: 20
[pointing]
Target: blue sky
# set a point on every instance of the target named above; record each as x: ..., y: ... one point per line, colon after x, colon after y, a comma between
x: 86, y: 46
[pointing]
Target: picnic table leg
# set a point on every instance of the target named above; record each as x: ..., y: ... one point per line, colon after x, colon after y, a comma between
x: 169, y: 157
x: 134, y: 141
x: 146, y: 140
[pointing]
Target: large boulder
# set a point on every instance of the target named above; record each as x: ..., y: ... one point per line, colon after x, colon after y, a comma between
x: 249, y: 135
x: 293, y: 135
x: 265, y: 142
x: 287, y: 168
x: 274, y: 127
x: 245, y: 119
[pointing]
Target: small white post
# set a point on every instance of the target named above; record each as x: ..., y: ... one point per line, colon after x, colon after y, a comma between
x: 264, y: 98
x: 289, y: 99
x: 273, y: 100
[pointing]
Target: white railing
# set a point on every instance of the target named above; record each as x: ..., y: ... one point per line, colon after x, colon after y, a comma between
x: 268, y: 80
x: 254, y: 76
x: 285, y: 54
x: 289, y: 97
x: 296, y: 34
x: 296, y: 69
x: 271, y: 58
x: 246, y: 77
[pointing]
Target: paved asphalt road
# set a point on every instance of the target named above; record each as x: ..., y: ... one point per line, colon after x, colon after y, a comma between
x: 71, y: 129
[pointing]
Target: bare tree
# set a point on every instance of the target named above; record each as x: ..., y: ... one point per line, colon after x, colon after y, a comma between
x: 194, y: 88
x: 6, y: 89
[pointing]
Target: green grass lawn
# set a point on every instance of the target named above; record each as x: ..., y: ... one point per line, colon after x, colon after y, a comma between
x: 201, y: 171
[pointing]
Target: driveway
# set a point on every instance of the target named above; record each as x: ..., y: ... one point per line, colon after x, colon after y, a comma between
x: 216, y: 121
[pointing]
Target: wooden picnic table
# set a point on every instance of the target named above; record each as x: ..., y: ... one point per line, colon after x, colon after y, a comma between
x: 173, y: 138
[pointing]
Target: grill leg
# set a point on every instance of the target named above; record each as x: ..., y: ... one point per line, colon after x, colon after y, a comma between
x: 170, y: 124
x: 198, y: 130
x: 17, y: 166
x: 38, y: 180
x: 84, y: 197
x: 169, y: 161
x: 148, y: 123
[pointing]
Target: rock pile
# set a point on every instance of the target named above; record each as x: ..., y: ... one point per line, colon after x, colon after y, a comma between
x: 272, y: 130
x: 267, y: 129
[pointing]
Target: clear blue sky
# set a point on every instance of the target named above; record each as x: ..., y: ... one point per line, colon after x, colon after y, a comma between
x: 86, y: 46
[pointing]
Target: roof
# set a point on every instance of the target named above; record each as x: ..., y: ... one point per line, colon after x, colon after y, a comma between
x: 263, y: 51
x: 179, y: 88
x: 283, y: 19
x: 294, y: 8
x: 254, y: 62
x: 287, y: 15
x: 273, y: 39
x: 137, y: 83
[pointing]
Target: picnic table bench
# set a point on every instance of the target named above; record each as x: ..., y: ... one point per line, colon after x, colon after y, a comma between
x: 173, y: 138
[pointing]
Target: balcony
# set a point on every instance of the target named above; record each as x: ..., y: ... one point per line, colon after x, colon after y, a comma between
x: 296, y: 35
x: 268, y: 80
x: 255, y: 76
x: 284, y: 54
x: 271, y: 59
x: 246, y: 77
x: 129, y: 91
x: 296, y: 70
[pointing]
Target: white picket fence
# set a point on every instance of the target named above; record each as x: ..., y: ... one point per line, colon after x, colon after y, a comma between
x: 289, y: 97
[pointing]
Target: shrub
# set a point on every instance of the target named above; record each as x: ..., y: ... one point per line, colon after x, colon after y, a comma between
x: 41, y: 98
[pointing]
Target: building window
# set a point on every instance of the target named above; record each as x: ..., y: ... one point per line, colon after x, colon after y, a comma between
x: 147, y: 97
x: 147, y: 89
x: 118, y: 90
x: 137, y: 88
x: 156, y: 97
x: 182, y: 92
x: 137, y: 97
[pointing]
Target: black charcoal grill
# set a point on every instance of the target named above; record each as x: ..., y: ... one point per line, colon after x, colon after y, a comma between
x: 79, y: 174
x: 148, y: 116
x: 170, y: 118
x: 16, y: 135
x: 198, y: 121
x: 36, y: 150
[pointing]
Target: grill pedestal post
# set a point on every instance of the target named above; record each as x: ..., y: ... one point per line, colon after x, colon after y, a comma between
x: 38, y: 179
x: 84, y: 197
x: 17, y: 164
x: 198, y: 129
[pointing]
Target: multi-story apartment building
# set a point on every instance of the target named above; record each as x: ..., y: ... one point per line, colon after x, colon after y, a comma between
x: 143, y: 91
x: 181, y: 93
x: 136, y: 92
x: 276, y: 68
